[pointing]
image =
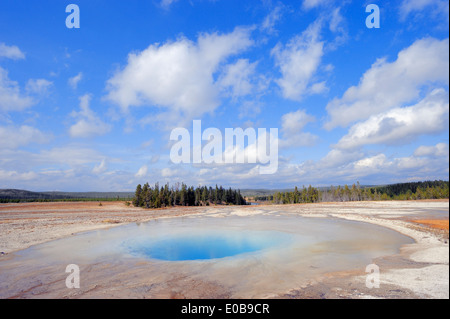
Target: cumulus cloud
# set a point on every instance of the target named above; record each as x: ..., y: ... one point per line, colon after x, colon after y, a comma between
x: 142, y: 172
x: 237, y: 78
x: 401, y: 125
x: 388, y: 85
x: 440, y: 149
x: 14, y: 177
x: 371, y: 163
x: 177, y: 76
x: 88, y: 123
x: 100, y: 168
x: 69, y: 156
x: 11, y: 99
x: 294, y: 122
x: 298, y: 62
x: 38, y: 86
x: 12, y: 137
x: 292, y: 127
x: 11, y: 52
x: 339, y: 167
x: 336, y: 158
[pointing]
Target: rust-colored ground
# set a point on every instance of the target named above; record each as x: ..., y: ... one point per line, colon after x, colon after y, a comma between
x: 433, y: 223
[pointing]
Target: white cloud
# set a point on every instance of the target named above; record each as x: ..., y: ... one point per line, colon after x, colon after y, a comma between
x: 298, y: 140
x: 38, y: 86
x: 73, y: 81
x: 169, y: 172
x: 337, y: 25
x: 294, y: 122
x: 166, y: 3
x: 12, y: 137
x: 237, y: 77
x: 401, y: 125
x: 440, y: 149
x: 336, y: 158
x: 57, y: 158
x: 318, y: 87
x: 70, y: 155
x: 249, y: 109
x: 50, y: 169
x: 142, y: 172
x: 310, y: 4
x: 100, y: 168
x: 10, y: 97
x: 339, y: 167
x: 298, y: 62
x: 409, y: 163
x: 14, y: 176
x: 88, y: 123
x: 271, y: 19
x: 409, y: 7
x: 11, y: 52
x: 292, y: 127
x: 336, y: 20
x: 372, y: 163
x: 177, y: 76
x: 386, y: 85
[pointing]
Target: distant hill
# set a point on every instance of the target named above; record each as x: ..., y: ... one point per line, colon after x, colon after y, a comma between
x: 111, y: 195
x: 26, y: 195
x: 390, y: 190
x: 20, y: 194
x: 258, y: 192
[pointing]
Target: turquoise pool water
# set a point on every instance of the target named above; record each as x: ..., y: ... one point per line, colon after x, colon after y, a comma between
x: 291, y: 238
x: 206, y: 244
x: 247, y: 256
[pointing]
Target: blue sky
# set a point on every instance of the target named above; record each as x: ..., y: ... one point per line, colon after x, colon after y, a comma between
x: 92, y: 108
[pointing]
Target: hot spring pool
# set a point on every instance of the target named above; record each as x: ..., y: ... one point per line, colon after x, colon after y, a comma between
x: 207, y: 244
x: 249, y: 255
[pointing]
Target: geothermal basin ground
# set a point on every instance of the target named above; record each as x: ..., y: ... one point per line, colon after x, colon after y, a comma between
x: 263, y: 251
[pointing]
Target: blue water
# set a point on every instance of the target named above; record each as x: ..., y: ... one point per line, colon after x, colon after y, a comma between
x: 207, y: 245
x: 292, y: 239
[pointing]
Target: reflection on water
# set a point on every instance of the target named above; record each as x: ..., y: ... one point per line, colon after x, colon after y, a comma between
x: 252, y: 256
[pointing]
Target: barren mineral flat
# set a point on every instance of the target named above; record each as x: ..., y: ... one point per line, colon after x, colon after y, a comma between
x: 419, y: 270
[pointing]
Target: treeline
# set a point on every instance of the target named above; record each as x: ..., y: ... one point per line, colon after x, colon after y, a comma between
x: 305, y: 195
x: 166, y: 196
x: 401, y: 191
x: 416, y: 190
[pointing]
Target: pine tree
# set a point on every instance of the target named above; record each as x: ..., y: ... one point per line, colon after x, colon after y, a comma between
x: 137, y: 196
